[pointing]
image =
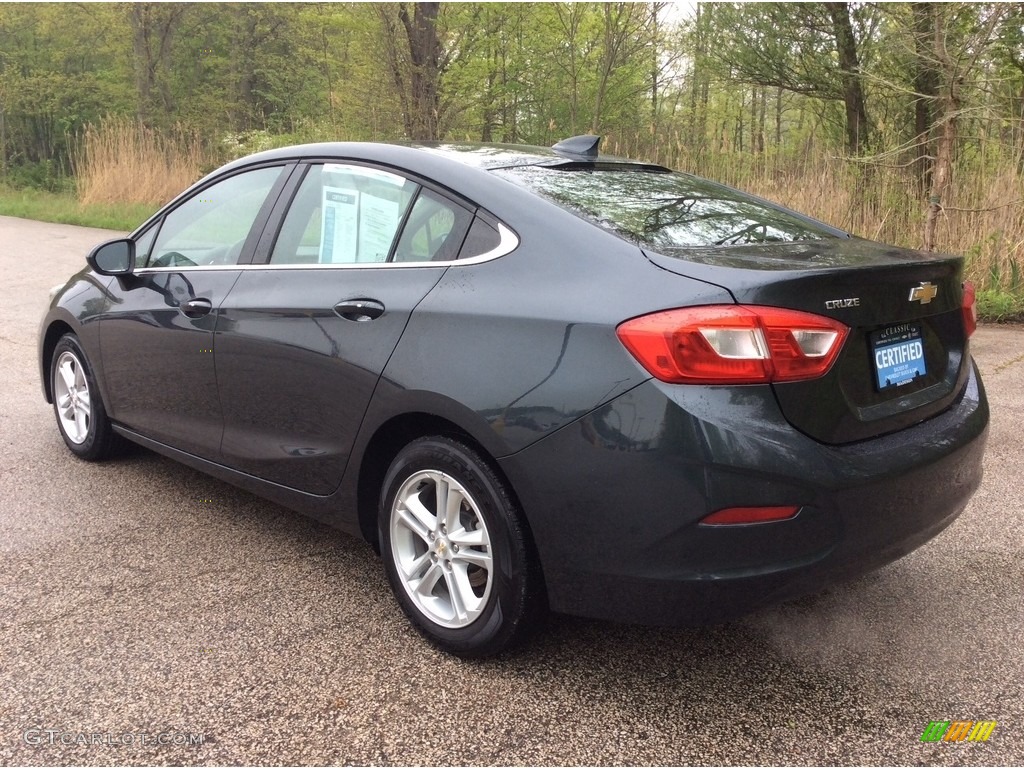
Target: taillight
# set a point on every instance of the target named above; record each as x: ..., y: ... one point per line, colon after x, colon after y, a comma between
x: 732, y: 344
x: 969, y: 309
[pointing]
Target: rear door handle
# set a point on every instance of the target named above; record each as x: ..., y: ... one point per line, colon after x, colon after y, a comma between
x: 359, y: 310
x: 196, y: 307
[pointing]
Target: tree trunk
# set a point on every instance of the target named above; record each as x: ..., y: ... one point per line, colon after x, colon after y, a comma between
x: 760, y: 111
x: 396, y: 64
x: 948, y: 107
x: 853, y: 90
x: 926, y: 85
x: 778, y: 118
x: 142, y: 57
x: 654, y: 68
x: 242, y: 58
x: 424, y: 69
x: 618, y: 27
x: 489, y: 110
x: 325, y: 52
x: 153, y: 26
x: 739, y: 123
x: 693, y: 124
x: 570, y: 17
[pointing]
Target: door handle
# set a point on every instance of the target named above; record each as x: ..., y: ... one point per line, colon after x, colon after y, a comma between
x: 196, y: 307
x: 359, y: 310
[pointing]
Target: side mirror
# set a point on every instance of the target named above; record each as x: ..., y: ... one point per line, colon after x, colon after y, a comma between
x: 116, y: 257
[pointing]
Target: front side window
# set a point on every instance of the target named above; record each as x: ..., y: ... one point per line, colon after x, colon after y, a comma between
x: 211, y: 227
x: 143, y: 246
x: 664, y: 210
x: 343, y: 214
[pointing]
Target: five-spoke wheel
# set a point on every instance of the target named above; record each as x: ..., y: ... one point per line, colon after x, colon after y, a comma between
x: 71, y: 395
x: 81, y: 416
x: 440, y: 544
x: 455, y: 549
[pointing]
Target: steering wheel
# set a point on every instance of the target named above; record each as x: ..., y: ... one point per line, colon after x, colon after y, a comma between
x: 226, y: 255
x: 174, y: 259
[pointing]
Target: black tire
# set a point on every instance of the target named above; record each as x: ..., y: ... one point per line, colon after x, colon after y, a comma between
x: 506, y: 601
x: 97, y: 441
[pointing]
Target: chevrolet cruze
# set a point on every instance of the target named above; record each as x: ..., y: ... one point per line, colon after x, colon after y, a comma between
x: 534, y: 378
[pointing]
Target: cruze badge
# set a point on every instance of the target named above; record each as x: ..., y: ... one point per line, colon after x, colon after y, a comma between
x: 924, y: 293
x: 841, y: 303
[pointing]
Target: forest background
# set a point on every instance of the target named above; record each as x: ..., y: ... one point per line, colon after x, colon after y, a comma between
x: 902, y: 122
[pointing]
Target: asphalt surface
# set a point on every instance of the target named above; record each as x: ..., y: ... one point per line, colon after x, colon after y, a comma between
x: 143, y: 598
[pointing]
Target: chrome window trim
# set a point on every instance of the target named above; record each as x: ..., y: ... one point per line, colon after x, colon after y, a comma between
x: 507, y: 243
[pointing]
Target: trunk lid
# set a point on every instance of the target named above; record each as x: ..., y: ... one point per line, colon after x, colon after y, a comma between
x: 905, y: 358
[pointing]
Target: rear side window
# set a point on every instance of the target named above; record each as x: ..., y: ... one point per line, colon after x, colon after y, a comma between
x: 482, y: 237
x: 434, y: 231
x: 666, y: 210
x: 343, y: 214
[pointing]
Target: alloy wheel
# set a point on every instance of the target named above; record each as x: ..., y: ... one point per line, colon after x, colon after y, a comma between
x: 441, y: 549
x: 74, y: 404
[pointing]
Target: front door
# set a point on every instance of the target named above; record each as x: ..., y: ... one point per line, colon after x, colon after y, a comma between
x: 157, y: 340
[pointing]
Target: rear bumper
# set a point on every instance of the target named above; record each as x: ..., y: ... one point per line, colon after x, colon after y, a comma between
x: 615, y: 499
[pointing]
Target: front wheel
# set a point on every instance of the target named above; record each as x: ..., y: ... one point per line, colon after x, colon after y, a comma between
x: 456, y: 551
x: 81, y: 417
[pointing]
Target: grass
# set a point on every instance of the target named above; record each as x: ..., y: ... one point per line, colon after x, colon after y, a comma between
x: 64, y: 208
x: 122, y: 161
x: 1000, y: 306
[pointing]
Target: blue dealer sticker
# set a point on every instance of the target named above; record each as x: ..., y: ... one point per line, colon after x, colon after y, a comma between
x: 898, y: 355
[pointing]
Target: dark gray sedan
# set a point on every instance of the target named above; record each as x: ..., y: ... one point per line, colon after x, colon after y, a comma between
x: 534, y: 378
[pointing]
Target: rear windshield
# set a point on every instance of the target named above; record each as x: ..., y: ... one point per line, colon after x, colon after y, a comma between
x: 666, y: 210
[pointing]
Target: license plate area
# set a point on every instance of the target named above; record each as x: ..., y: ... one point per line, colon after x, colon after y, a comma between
x: 897, y: 355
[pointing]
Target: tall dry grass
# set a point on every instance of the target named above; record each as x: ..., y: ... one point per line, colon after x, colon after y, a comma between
x: 983, y: 217
x: 123, y: 161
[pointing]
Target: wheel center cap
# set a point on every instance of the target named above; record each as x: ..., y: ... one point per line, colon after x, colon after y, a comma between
x: 441, y: 547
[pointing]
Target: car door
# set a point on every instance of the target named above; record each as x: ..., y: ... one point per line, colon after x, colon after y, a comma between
x: 156, y: 337
x: 302, y: 340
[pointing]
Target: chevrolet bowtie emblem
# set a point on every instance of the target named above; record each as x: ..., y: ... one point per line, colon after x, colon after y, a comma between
x: 924, y: 293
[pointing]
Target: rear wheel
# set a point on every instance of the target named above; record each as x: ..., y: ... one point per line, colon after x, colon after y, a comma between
x: 81, y: 417
x: 456, y: 551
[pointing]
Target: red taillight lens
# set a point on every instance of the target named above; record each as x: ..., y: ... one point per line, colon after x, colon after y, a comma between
x: 749, y: 515
x: 969, y: 309
x: 731, y: 344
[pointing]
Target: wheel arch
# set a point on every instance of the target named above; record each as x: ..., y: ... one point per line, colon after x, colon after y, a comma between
x: 393, y: 435
x: 54, y: 332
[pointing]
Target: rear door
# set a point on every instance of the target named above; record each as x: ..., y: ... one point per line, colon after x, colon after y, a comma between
x: 302, y: 339
x: 157, y: 335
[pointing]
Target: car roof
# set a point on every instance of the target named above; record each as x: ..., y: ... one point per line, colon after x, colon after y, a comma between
x: 460, y: 166
x: 494, y: 156
x: 473, y: 154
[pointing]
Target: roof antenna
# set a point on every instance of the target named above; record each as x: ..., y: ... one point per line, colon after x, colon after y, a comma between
x: 580, y: 146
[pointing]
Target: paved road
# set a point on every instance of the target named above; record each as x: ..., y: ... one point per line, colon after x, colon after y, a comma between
x: 142, y: 597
